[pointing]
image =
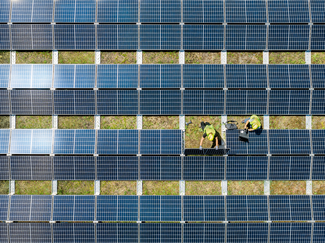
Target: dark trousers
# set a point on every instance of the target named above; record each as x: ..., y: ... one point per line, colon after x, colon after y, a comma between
x: 203, y: 124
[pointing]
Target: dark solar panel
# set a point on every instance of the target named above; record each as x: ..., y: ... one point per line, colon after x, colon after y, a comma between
x: 4, y: 102
x: 317, y: 37
x: 318, y: 75
x: 31, y: 168
x: 317, y: 11
x: 4, y: 141
x: 4, y: 37
x: 204, y: 233
x: 66, y: 232
x: 160, y: 11
x: 32, y: 11
x: 318, y: 141
x: 289, y: 142
x: 242, y: 233
x: 278, y: 11
x: 4, y: 75
x: 127, y: 208
x: 75, y: 11
x: 4, y: 168
x: 290, y: 168
x: 160, y: 168
x: 318, y: 103
x: 203, y: 11
x: 318, y: 233
x: 289, y: 76
x: 4, y: 11
x: 289, y: 102
x: 4, y: 200
x: 318, y: 207
x: 107, y: 208
x: 245, y: 11
x: 117, y: 168
x: 117, y: 11
x: 298, y: 11
x: 318, y: 168
x: 161, y: 233
x: 27, y: 232
x: 4, y: 233
x: 31, y: 102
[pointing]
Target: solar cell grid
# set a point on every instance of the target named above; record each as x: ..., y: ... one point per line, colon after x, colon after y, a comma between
x: 160, y: 11
x: 4, y: 168
x: 74, y: 232
x: 203, y: 11
x: 318, y: 107
x: 317, y: 11
x: 32, y: 11
x: 75, y: 11
x: 4, y: 141
x: 4, y: 11
x: 4, y: 37
x: 4, y: 200
x: 194, y: 233
x: 4, y: 75
x: 241, y: 233
x: 4, y: 102
x: 121, y: 11
x: 318, y: 168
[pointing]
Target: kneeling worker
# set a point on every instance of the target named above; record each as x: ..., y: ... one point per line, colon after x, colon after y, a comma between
x: 211, y: 133
x: 253, y: 123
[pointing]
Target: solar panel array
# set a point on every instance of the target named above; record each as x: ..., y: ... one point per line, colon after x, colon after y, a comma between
x: 74, y: 208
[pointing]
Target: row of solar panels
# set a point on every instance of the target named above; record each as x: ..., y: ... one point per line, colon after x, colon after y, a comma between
x: 162, y: 102
x: 157, y: 168
x: 161, y: 37
x: 162, y: 208
x: 163, y: 11
x: 47, y: 141
x: 277, y: 142
x: 46, y: 76
x: 163, y: 233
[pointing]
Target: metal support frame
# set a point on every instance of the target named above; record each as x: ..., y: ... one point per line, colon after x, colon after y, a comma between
x: 97, y: 57
x: 54, y: 187
x: 12, y: 57
x: 55, y: 121
x: 12, y: 121
x: 267, y: 187
x: 266, y: 122
x: 182, y: 122
x: 139, y: 57
x: 266, y: 57
x: 139, y: 187
x: 181, y: 56
x: 223, y: 130
x: 97, y: 122
x: 97, y: 187
x: 55, y: 57
x: 182, y: 188
x: 309, y: 122
x: 224, y: 187
x: 139, y: 122
x: 308, y: 57
x: 12, y: 188
x: 309, y: 188
x: 223, y: 57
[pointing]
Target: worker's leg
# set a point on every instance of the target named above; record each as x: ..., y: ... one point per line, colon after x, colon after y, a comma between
x: 202, y: 126
x: 244, y: 121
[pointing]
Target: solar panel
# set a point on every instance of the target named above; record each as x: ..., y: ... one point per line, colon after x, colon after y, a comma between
x: 285, y: 11
x: 74, y: 37
x: 317, y: 75
x: 289, y: 102
x: 318, y: 230
x: 257, y: 143
x: 288, y: 37
x: 4, y: 75
x: 160, y: 37
x: 30, y: 208
x: 27, y: 232
x: 317, y: 37
x: 4, y: 11
x: 32, y: 11
x: 4, y: 200
x: 290, y: 168
x: 4, y: 37
x: 317, y: 11
x: 203, y: 37
x: 4, y: 233
x: 4, y: 168
x: 160, y: 233
x: 75, y: 11
x: 160, y: 102
x: 318, y: 107
x: 160, y: 168
x: 203, y: 168
x: 127, y: 233
x: 4, y: 103
x: 31, y: 168
x: 117, y: 11
x: 318, y: 207
x: 318, y: 168
x: 289, y: 76
x: 160, y: 208
x: 74, y: 141
x: 4, y: 141
x: 25, y: 141
x: 290, y: 208
x: 200, y: 233
x: 241, y: 233
x: 245, y: 11
x: 246, y: 102
x: 290, y: 232
x: 109, y: 232
x: 247, y: 168
x: 278, y: 11
x: 117, y: 168
x: 246, y: 37
x: 66, y: 232
x: 74, y: 76
x: 318, y: 141
x: 203, y: 76
x: 160, y: 11
x: 203, y: 11
x: 289, y: 142
x: 246, y: 76
x: 161, y: 142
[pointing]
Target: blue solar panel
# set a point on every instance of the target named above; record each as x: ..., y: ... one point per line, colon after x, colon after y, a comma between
x: 200, y: 233
x: 160, y: 102
x: 317, y: 11
x: 4, y: 233
x: 4, y: 75
x: 160, y: 37
x: 203, y: 168
x: 4, y: 37
x: 290, y: 168
x: 4, y: 11
x: 160, y: 11
x: 284, y: 11
x: 4, y: 200
x: 109, y: 232
x: 246, y: 76
x: 4, y: 168
x: 318, y: 207
x: 4, y: 102
x: 160, y: 76
x: 107, y: 76
x: 203, y: 11
x: 127, y: 208
x: 30, y: 168
x: 318, y: 168
x: 160, y: 168
x: 67, y: 232
x: 317, y: 37
x: 32, y: 11
x: 161, y: 233
x: 318, y: 103
x: 203, y: 76
x: 74, y: 76
x: 31, y: 102
x: 4, y: 141
x: 289, y: 76
x: 107, y: 208
x: 197, y: 102
x: 278, y: 11
x: 318, y: 233
x: 245, y: 11
x: 257, y: 143
x: 247, y: 168
x: 246, y: 102
x: 203, y: 37
x: 160, y: 208
x: 289, y: 102
x: 289, y: 142
x: 290, y: 232
x: 74, y: 37
x: 31, y: 76
x: 117, y: 11
x: 160, y: 142
x: 318, y: 141
x: 117, y: 168
x: 27, y: 232
x: 84, y: 208
x: 127, y: 76
x: 298, y: 11
x: 242, y: 233
x: 288, y: 37
x: 318, y: 75
x: 127, y: 233
x: 75, y: 11
x: 74, y: 168
x: 246, y: 37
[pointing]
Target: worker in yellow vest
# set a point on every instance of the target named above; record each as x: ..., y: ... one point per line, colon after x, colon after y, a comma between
x: 210, y: 133
x: 253, y: 123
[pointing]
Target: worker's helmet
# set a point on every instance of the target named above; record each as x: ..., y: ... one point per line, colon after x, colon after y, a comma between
x: 211, y: 137
x: 255, y: 126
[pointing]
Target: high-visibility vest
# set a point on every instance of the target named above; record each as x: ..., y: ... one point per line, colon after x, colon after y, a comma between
x: 210, y: 129
x: 256, y: 122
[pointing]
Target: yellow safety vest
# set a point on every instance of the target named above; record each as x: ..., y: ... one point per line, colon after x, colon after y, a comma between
x: 210, y: 129
x: 256, y: 122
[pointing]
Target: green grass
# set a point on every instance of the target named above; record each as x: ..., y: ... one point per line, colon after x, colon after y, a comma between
x: 33, y: 187
x: 76, y: 122
x: 287, y: 58
x: 76, y: 57
x: 75, y: 187
x: 118, y: 122
x: 118, y: 57
x: 4, y: 122
x: 118, y: 188
x: 160, y: 57
x: 4, y: 187
x: 245, y: 188
x: 34, y: 122
x: 4, y: 57
x: 33, y: 57
x: 160, y: 188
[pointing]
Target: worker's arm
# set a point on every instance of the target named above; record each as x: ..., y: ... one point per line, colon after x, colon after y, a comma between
x: 250, y: 130
x: 201, y: 142
x: 246, y: 124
